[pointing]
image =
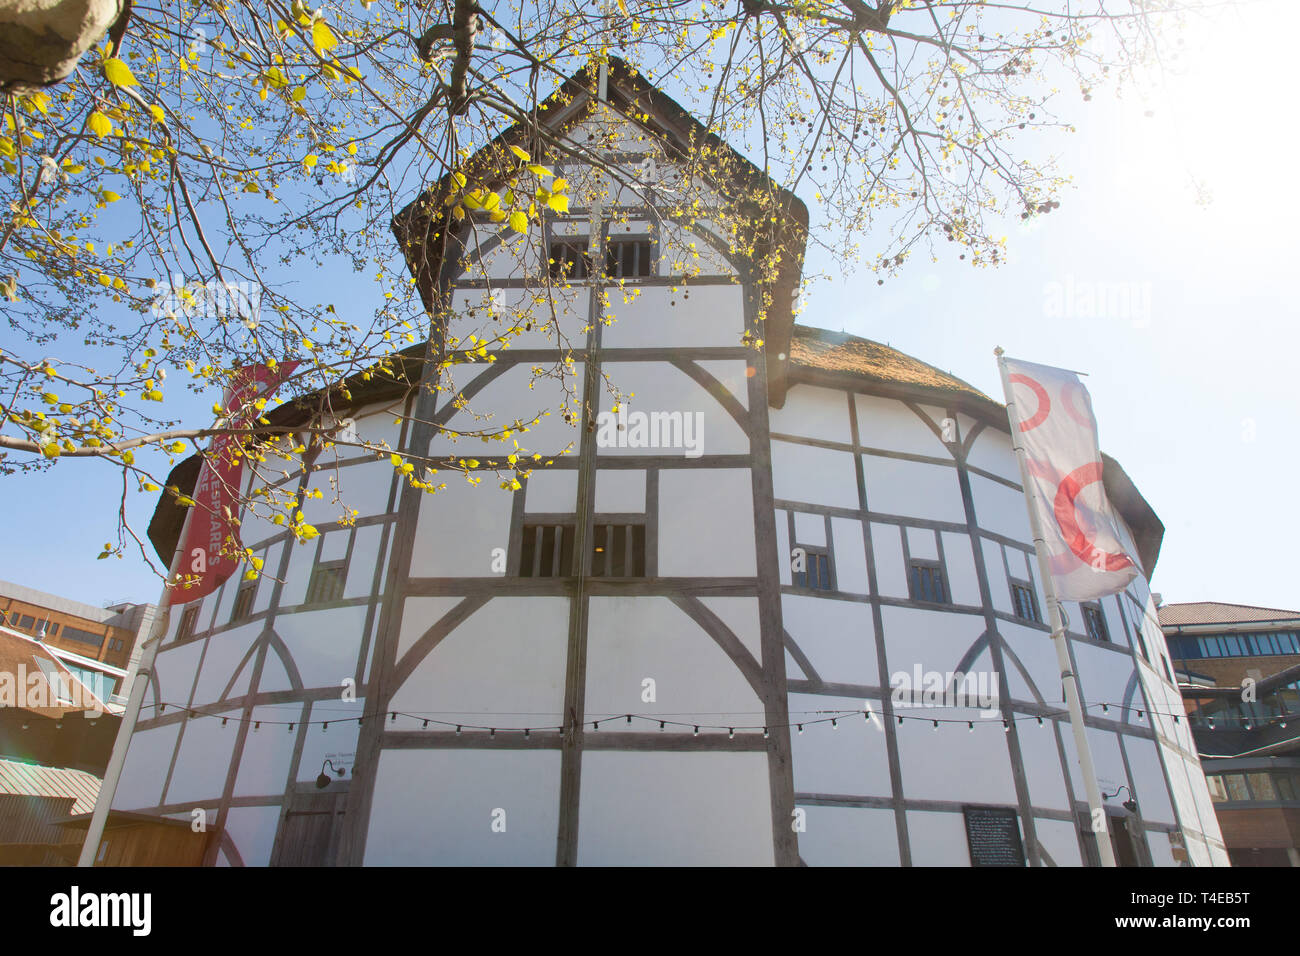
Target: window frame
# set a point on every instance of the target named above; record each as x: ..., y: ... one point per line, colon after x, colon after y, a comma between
x: 1015, y: 584
x: 245, y: 587
x: 338, y: 570
x: 938, y: 579
x: 188, y: 624
x: 1095, y: 609
x: 818, y: 552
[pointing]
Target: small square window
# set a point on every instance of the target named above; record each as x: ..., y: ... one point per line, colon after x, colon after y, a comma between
x: 569, y: 259
x: 813, y: 570
x: 926, y: 583
x: 547, y: 551
x: 244, y: 601
x: 1095, y: 623
x: 618, y: 551
x: 1025, y: 602
x: 628, y: 258
x: 327, y: 582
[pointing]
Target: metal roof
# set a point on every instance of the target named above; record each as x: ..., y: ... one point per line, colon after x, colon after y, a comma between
x: 33, y: 780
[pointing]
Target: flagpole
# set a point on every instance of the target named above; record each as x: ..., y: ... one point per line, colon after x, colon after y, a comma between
x: 1069, y: 684
x: 131, y: 716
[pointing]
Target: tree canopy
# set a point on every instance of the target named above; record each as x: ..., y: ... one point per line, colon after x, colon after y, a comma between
x: 170, y: 194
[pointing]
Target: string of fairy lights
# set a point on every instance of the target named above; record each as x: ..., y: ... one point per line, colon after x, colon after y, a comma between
x: 813, y: 718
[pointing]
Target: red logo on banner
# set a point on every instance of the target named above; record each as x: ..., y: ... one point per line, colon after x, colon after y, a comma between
x: 217, y: 487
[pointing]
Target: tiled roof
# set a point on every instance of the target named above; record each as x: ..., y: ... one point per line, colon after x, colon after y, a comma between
x: 1214, y: 612
x: 828, y: 351
x: 32, y: 780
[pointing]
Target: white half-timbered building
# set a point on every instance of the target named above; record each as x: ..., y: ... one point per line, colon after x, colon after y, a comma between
x: 636, y: 657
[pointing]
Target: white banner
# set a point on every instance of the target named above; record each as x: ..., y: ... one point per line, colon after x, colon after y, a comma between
x: 1051, y: 413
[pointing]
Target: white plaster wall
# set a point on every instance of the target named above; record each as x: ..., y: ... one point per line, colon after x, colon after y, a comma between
x: 466, y: 677
x: 701, y: 316
x: 268, y: 753
x: 325, y: 644
x: 959, y: 562
x: 619, y: 491
x: 631, y: 639
x: 145, y: 769
x: 938, y: 839
x: 1059, y: 839
x: 224, y: 652
x: 651, y: 387
x: 887, y: 547
x: 850, y: 556
x: 458, y: 528
x: 849, y: 759
x: 559, y: 317
x: 837, y: 637
x: 953, y: 763
x: 175, y: 669
x: 813, y: 475
x: 912, y: 488
x: 435, y: 808
x: 706, y: 522
x: 848, y: 836
x: 675, y: 809
x: 252, y: 830
x: 992, y: 452
x: 505, y: 399
x: 1000, y: 509
x: 890, y: 425
x: 552, y: 490
x: 812, y: 412
x: 202, y: 762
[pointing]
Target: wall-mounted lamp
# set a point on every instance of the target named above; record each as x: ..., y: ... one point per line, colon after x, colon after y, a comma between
x: 323, y: 780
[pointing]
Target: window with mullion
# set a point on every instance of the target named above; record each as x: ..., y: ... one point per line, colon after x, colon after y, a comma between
x: 926, y: 582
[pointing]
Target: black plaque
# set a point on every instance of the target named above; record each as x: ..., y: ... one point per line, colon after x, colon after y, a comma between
x: 993, y: 835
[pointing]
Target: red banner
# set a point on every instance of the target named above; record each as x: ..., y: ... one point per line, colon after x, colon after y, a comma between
x: 217, y: 490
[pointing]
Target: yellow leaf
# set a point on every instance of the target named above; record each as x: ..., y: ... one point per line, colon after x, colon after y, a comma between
x: 559, y: 203
x: 322, y: 37
x: 157, y: 113
x: 309, y: 161
x: 539, y: 170
x: 521, y: 154
x: 109, y: 196
x: 298, y: 94
x: 100, y: 124
x: 622, y: 5
x: 118, y: 73
x: 518, y: 221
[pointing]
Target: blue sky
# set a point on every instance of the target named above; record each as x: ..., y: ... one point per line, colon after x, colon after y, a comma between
x: 1191, y: 375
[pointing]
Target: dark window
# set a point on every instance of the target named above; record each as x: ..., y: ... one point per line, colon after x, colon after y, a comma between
x: 52, y: 630
x: 626, y: 258
x: 1095, y: 623
x: 925, y: 581
x: 618, y: 551
x: 26, y: 621
x: 327, y: 582
x: 569, y: 259
x: 547, y: 551
x: 1025, y: 602
x: 84, y: 637
x: 816, y: 573
x: 189, y: 618
x: 244, y: 601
